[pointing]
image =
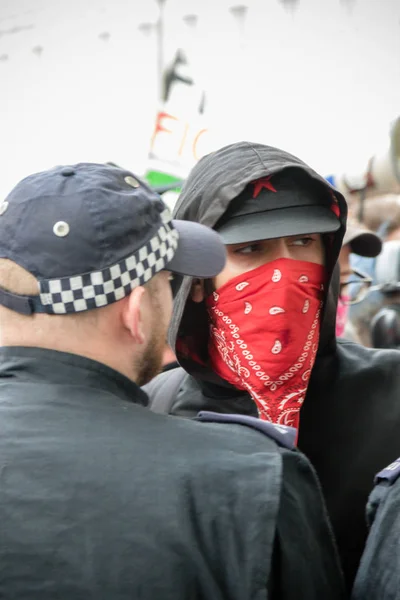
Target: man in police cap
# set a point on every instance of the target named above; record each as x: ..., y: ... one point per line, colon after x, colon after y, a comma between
x: 99, y: 497
x: 259, y: 338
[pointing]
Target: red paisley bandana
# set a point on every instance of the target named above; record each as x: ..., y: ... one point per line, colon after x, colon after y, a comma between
x: 264, y: 334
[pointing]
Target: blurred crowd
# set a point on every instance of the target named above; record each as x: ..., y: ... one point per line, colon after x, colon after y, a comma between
x: 370, y: 277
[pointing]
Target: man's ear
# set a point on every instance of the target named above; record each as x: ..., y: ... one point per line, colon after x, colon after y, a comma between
x: 132, y: 314
x: 197, y: 290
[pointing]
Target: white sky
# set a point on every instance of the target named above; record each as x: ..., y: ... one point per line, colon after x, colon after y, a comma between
x: 322, y: 82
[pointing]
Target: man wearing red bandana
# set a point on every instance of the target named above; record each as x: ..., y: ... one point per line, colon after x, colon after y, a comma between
x: 259, y: 339
x: 265, y: 310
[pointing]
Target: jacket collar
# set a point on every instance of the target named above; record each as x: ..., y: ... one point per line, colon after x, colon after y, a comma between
x: 58, y: 368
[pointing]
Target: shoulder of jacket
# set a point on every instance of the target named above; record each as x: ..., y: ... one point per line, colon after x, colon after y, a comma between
x: 389, y: 474
x: 378, y: 356
x: 164, y: 377
x: 162, y: 390
x: 283, y: 435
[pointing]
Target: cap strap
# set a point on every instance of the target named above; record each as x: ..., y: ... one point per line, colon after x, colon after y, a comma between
x: 25, y: 305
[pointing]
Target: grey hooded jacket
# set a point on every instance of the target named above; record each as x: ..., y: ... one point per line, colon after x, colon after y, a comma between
x: 350, y: 419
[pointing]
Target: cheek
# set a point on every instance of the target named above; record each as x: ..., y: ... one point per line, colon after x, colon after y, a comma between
x: 163, y: 308
x: 318, y: 259
x: 315, y: 254
x: 230, y: 271
x: 168, y: 306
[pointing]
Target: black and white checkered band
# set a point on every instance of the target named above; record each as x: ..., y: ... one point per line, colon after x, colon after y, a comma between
x: 99, y: 288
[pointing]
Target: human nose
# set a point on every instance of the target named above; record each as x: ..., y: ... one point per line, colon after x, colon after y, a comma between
x: 280, y: 250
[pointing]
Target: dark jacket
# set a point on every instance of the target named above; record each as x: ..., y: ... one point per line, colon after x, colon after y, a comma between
x: 102, y: 499
x: 351, y: 415
x: 378, y: 577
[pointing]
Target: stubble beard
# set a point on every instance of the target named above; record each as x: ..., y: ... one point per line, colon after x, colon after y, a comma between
x: 150, y: 363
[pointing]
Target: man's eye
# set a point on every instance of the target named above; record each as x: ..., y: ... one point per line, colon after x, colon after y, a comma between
x: 247, y: 249
x: 304, y: 241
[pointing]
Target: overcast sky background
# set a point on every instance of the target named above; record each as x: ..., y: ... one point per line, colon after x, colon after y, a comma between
x: 78, y: 79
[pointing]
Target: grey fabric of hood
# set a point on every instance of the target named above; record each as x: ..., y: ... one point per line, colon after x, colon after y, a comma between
x: 214, y: 182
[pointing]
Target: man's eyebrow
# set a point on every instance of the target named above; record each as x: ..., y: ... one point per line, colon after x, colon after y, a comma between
x: 241, y: 244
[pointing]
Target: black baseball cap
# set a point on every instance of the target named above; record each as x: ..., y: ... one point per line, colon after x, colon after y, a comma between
x: 287, y: 203
x: 90, y: 233
x: 362, y: 241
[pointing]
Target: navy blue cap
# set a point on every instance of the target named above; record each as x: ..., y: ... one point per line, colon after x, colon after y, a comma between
x: 90, y: 233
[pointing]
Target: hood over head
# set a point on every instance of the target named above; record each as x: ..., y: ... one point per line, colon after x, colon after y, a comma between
x: 213, y: 184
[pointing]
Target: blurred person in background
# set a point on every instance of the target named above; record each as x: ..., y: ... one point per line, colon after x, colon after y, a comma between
x: 385, y: 324
x: 381, y: 214
x: 354, y: 284
x: 260, y: 338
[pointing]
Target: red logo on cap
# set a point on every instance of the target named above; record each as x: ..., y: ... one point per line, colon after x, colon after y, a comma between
x: 335, y: 205
x: 262, y: 183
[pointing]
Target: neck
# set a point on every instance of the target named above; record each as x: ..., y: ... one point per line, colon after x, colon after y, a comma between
x: 96, y: 348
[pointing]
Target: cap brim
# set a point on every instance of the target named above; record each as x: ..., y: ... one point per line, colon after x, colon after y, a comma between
x: 272, y: 224
x: 363, y: 243
x: 200, y: 253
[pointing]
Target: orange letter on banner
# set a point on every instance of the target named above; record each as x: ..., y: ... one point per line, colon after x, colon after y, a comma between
x: 159, y: 126
x: 181, y: 147
x: 195, y: 142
